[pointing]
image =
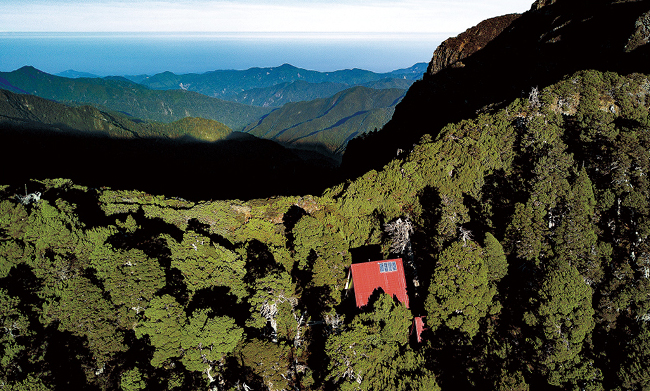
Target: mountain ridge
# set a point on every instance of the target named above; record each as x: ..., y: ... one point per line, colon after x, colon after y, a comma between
x: 100, y: 148
x: 536, y: 49
x: 232, y: 84
x: 33, y: 112
x: 331, y: 121
x: 131, y: 98
x: 117, y: 94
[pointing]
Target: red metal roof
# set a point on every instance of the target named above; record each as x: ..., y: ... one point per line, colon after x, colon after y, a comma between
x: 419, y: 327
x: 369, y: 276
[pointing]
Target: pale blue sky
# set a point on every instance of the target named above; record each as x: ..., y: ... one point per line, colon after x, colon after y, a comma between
x: 427, y: 16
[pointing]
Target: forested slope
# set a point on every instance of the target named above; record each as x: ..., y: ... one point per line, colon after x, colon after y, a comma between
x: 194, y: 158
x: 524, y: 233
x: 336, y: 113
x: 33, y: 112
x: 329, y: 122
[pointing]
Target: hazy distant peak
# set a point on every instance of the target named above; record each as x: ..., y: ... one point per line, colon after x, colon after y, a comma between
x: 28, y: 69
x: 72, y: 74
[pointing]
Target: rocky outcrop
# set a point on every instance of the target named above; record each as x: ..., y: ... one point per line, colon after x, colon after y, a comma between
x: 450, y: 53
x: 641, y: 35
x: 541, y: 3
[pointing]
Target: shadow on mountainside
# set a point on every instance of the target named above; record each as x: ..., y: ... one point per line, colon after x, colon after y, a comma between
x: 240, y: 167
x: 537, y: 49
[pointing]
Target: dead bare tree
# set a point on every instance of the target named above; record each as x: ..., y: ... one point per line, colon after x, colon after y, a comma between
x: 399, y: 231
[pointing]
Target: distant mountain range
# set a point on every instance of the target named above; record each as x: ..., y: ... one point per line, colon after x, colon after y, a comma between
x: 303, y: 108
x: 300, y: 90
x: 272, y: 86
x: 129, y: 98
x: 33, y: 112
x: 236, y: 85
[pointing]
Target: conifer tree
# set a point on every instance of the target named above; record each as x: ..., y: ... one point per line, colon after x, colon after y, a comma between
x: 495, y: 258
x: 459, y: 293
x: 562, y: 319
x: 81, y: 308
x: 634, y: 372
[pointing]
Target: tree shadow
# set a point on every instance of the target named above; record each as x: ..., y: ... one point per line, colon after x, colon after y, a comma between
x: 204, y: 229
x: 367, y: 253
x: 290, y: 219
x: 424, y: 239
x: 260, y: 261
x: 235, y: 168
x: 147, y: 236
x: 65, y: 357
x: 221, y: 302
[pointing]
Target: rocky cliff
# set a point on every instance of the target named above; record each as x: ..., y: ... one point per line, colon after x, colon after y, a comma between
x: 450, y: 53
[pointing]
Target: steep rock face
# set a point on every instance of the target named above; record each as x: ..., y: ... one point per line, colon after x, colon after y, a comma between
x: 536, y: 50
x: 450, y: 53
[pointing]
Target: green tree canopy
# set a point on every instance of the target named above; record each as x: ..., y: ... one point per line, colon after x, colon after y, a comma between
x: 495, y: 258
x: 131, y: 278
x: 163, y: 322
x: 563, y: 318
x: 459, y: 293
x: 372, y: 352
x: 205, y: 340
x: 198, y: 342
x: 14, y: 334
x: 205, y: 264
x: 81, y: 308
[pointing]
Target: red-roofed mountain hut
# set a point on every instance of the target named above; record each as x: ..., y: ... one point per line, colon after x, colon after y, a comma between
x: 387, y: 275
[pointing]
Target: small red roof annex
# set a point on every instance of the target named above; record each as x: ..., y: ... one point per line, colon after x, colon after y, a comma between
x: 419, y: 327
x: 387, y: 275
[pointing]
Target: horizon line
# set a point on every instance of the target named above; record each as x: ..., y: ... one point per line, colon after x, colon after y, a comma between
x: 227, y: 32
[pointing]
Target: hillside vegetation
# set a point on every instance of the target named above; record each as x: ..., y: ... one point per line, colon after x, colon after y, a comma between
x: 528, y: 256
x: 518, y: 200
